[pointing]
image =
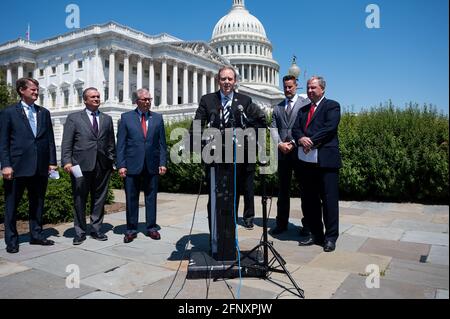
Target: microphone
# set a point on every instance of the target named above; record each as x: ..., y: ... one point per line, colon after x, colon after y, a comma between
x: 212, y: 119
x: 243, y: 116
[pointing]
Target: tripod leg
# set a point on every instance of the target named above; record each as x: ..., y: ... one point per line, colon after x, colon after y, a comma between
x: 280, y: 260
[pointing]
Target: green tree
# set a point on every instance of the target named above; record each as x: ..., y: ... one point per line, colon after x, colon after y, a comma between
x: 7, y: 95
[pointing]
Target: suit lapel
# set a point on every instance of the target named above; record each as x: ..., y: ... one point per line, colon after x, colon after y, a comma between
x: 103, y: 124
x: 87, y: 122
x: 318, y: 109
x: 283, y: 114
x: 23, y: 116
x: 39, y: 119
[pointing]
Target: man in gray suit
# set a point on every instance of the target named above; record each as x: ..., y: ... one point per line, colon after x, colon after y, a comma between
x: 283, y: 119
x: 88, y: 141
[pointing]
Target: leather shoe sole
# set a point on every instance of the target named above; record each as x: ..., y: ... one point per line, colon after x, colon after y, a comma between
x: 42, y: 242
x: 329, y: 246
x: 99, y: 236
x: 154, y: 235
x: 128, y: 238
x: 12, y: 249
x: 79, y: 240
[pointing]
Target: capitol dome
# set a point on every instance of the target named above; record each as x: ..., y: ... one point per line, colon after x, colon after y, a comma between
x: 239, y: 21
x: 241, y: 39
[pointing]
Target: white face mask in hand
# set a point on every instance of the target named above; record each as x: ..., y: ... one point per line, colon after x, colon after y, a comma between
x: 53, y: 174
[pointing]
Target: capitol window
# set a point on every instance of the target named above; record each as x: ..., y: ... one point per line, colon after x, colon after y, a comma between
x: 66, y: 67
x: 80, y: 64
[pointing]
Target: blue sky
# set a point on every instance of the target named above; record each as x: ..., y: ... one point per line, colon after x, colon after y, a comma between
x: 405, y: 60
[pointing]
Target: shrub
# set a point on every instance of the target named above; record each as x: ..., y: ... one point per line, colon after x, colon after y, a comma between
x: 395, y: 155
x: 58, y: 201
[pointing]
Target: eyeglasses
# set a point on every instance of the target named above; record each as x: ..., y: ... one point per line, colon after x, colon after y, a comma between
x: 146, y: 100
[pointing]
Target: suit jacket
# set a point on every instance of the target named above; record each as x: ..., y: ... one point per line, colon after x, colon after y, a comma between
x: 322, y: 130
x: 20, y: 149
x: 80, y: 146
x: 283, y: 125
x: 133, y: 150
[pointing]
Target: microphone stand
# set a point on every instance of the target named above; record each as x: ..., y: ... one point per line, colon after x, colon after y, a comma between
x: 263, y: 270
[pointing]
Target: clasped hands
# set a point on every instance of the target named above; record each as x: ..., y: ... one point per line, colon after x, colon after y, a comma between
x: 306, y: 143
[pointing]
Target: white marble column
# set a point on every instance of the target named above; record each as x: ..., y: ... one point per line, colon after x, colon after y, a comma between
x: 151, y: 78
x: 139, y: 73
x: 277, y: 78
x: 112, y: 76
x: 126, y: 78
x: 204, y: 83
x: 250, y: 73
x: 175, y: 83
x: 195, y: 86
x: 264, y: 74
x: 242, y: 73
x: 185, y: 84
x: 257, y: 73
x: 20, y: 71
x: 164, y: 82
x: 212, y: 84
x: 87, y: 69
x: 9, y: 75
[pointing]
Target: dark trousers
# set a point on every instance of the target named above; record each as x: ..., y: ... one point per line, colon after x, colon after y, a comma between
x: 14, y: 189
x: 285, y: 169
x: 245, y: 183
x: 133, y: 185
x: 320, y: 200
x: 94, y: 183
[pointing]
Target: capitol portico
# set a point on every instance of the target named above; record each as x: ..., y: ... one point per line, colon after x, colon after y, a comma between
x: 119, y: 60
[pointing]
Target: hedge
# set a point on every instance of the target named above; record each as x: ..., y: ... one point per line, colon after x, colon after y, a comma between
x: 58, y: 201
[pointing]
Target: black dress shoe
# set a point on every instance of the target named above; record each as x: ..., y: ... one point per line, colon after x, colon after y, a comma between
x: 308, y: 241
x: 278, y: 230
x: 248, y: 224
x: 42, y: 242
x: 329, y: 246
x: 12, y: 249
x: 99, y: 236
x: 128, y: 238
x: 78, y: 240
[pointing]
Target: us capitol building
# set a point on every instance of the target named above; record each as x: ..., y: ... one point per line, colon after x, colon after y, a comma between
x: 119, y: 60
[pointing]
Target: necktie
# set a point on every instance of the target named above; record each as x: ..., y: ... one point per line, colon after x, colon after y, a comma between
x: 310, y: 114
x: 31, y: 120
x: 144, y: 125
x: 94, y: 123
x: 226, y: 109
x: 289, y: 109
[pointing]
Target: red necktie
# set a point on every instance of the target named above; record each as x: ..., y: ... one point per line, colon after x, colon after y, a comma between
x: 144, y: 125
x: 310, y: 114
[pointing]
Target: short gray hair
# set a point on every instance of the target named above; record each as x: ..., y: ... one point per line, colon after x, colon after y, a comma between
x: 139, y: 92
x: 320, y: 79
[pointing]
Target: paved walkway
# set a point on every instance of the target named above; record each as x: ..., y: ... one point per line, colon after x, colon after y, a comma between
x: 408, y: 243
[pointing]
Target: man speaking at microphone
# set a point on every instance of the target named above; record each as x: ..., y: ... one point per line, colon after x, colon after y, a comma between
x: 227, y: 108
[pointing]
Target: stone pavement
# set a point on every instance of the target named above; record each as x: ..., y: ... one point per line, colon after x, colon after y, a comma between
x: 407, y: 243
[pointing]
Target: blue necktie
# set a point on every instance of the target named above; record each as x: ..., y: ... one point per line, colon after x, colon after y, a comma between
x: 31, y: 120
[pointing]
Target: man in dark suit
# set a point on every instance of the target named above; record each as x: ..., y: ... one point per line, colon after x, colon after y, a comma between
x: 316, y: 134
x: 283, y: 119
x: 27, y: 154
x: 227, y: 108
x: 88, y: 141
x: 141, y: 158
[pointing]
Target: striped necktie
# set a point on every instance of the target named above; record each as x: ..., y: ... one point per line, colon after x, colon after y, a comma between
x: 226, y: 110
